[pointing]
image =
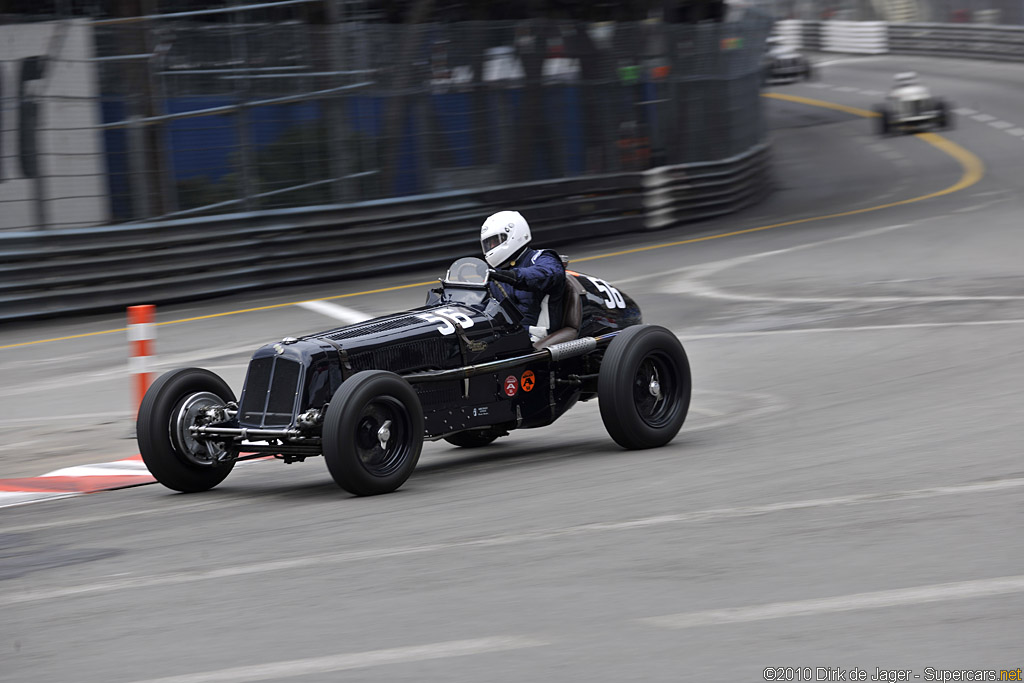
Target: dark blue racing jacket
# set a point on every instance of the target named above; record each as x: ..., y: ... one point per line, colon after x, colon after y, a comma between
x: 541, y: 274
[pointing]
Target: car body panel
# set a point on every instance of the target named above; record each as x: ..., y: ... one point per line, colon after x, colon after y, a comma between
x: 461, y: 326
x: 784, y: 64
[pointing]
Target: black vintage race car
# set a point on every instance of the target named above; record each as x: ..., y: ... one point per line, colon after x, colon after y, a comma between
x: 462, y: 368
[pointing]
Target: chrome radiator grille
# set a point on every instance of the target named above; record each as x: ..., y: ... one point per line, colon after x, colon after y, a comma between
x: 271, y: 387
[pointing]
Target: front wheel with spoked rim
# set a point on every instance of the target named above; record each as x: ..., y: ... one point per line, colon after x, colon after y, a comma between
x: 643, y: 387
x: 176, y: 401
x: 373, y: 433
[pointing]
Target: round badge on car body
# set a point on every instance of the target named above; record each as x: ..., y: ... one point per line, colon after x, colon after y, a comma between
x: 511, y: 385
x: 528, y: 380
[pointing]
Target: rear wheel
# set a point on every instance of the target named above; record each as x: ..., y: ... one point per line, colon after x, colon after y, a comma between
x: 883, y: 126
x: 474, y: 438
x: 643, y: 387
x: 373, y: 433
x: 945, y: 118
x: 172, y: 404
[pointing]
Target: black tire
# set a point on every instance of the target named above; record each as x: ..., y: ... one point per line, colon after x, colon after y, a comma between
x: 882, y: 125
x: 474, y: 438
x: 175, y: 459
x: 945, y: 120
x: 809, y: 73
x: 362, y: 407
x: 639, y: 361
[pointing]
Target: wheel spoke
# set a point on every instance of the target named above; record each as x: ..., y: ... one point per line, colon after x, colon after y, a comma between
x: 199, y: 452
x: 654, y: 389
x: 381, y: 437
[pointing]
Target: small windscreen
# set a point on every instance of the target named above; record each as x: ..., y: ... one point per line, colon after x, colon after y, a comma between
x: 467, y: 271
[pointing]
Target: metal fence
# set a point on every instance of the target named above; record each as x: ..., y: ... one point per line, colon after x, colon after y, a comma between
x: 270, y: 108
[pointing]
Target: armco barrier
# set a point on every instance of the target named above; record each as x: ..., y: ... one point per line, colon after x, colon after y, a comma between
x: 76, y: 271
x: 971, y: 41
x: 676, y: 194
x: 791, y: 32
x: 862, y: 37
x: 958, y: 40
x: 800, y: 34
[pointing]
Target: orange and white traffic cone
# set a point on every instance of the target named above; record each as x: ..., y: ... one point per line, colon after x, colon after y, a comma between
x: 141, y: 337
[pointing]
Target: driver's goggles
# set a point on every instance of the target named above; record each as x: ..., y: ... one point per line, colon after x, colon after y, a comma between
x: 491, y: 241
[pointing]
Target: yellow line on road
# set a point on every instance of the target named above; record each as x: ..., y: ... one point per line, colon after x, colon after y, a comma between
x: 821, y: 104
x: 973, y: 171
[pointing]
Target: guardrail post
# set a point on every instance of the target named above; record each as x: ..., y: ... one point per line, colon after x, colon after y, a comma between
x: 141, y: 335
x: 338, y: 137
x: 248, y: 174
x: 141, y: 205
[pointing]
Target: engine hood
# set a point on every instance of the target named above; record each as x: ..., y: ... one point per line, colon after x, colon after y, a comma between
x: 383, y: 330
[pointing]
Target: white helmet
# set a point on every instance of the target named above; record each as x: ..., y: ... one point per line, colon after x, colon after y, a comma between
x: 502, y: 236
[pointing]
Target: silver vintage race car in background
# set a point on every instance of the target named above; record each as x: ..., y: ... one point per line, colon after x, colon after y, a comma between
x: 910, y: 106
x: 784, y: 64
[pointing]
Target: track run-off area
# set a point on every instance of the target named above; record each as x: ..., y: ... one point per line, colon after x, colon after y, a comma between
x: 845, y: 493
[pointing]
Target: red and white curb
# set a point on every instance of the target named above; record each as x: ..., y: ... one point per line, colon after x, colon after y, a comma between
x: 75, y: 481
x: 82, y: 479
x: 106, y: 476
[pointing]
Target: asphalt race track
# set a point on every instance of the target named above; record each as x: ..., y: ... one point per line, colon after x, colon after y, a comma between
x: 846, y: 492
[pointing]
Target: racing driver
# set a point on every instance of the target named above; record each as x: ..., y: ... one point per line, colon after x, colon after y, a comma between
x: 534, y: 279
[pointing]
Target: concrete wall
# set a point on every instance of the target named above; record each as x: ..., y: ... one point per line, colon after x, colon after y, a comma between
x: 46, y: 74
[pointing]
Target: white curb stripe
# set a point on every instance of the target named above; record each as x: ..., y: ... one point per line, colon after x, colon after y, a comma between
x: 13, y: 498
x: 964, y: 111
x: 293, y: 563
x: 356, y: 660
x: 1016, y: 131
x: 939, y: 592
x: 332, y: 310
x: 983, y: 118
x: 128, y: 469
x: 1001, y: 125
x: 684, y: 336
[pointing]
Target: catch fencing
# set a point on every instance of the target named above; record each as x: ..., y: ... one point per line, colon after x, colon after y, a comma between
x: 274, y: 147
x: 260, y: 107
